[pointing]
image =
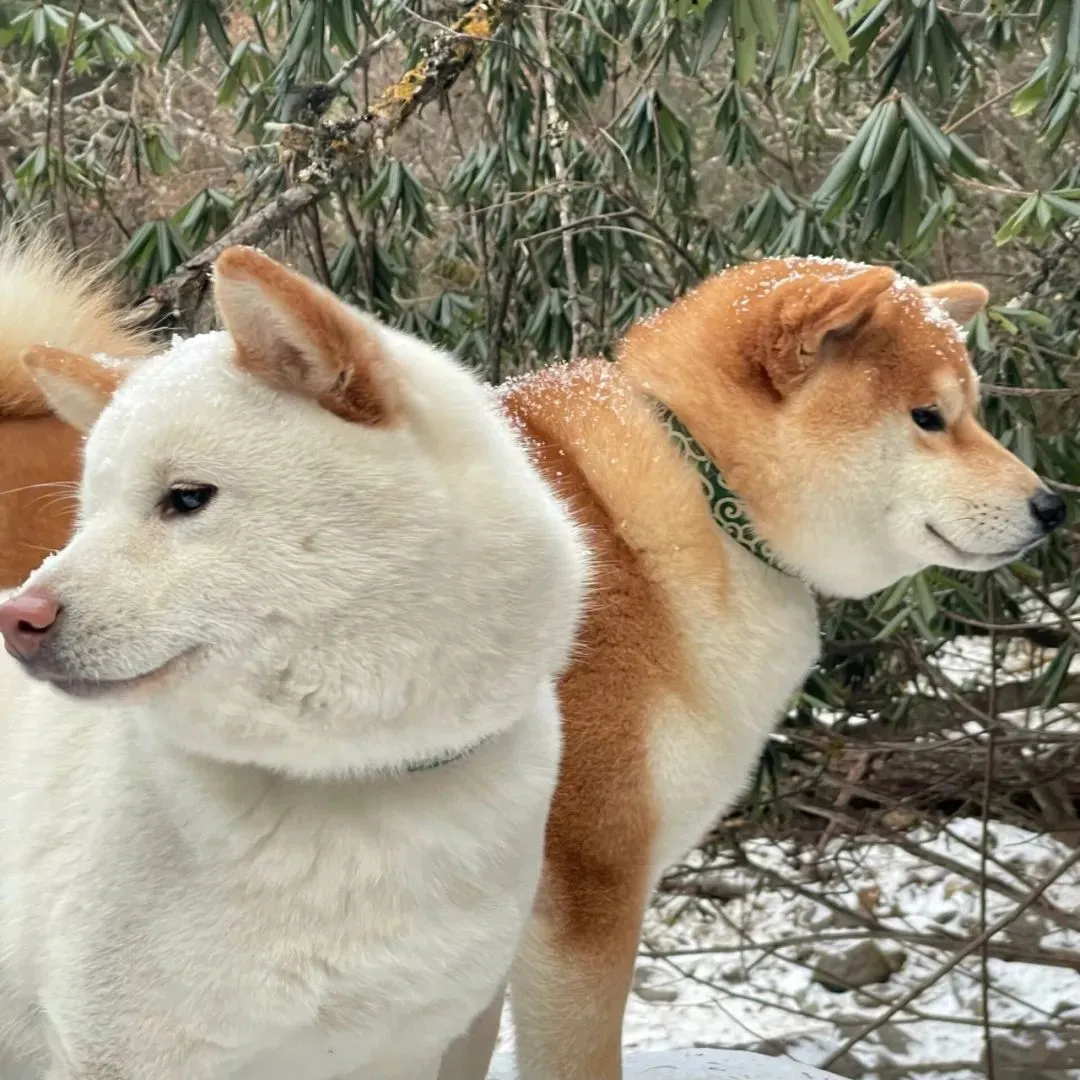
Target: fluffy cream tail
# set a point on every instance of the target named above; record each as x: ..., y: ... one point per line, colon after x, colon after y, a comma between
x: 46, y: 299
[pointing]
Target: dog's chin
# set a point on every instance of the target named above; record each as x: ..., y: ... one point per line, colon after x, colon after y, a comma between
x: 134, y: 688
x: 958, y: 558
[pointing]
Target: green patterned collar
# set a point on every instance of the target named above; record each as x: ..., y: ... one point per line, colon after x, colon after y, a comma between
x: 727, y: 508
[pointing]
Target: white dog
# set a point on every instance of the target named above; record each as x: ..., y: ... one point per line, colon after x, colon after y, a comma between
x: 280, y: 732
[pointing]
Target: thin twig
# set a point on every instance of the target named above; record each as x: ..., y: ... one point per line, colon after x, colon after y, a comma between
x: 322, y: 265
x: 127, y: 8
x: 61, y: 164
x: 576, y: 225
x: 361, y: 59
x: 556, y: 133
x: 1007, y: 92
x: 988, y: 777
x: 1011, y: 953
x: 989, y: 390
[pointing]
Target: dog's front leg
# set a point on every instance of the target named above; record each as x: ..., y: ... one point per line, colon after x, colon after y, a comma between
x: 568, y: 991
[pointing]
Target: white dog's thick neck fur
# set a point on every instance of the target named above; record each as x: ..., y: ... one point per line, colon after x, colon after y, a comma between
x: 225, y: 874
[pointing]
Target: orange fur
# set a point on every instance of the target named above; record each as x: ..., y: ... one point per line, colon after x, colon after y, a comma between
x: 39, y: 474
x: 627, y: 646
x: 44, y: 298
x: 601, y: 822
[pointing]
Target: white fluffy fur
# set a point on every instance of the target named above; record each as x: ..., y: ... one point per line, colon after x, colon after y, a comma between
x: 223, y: 876
x: 46, y: 298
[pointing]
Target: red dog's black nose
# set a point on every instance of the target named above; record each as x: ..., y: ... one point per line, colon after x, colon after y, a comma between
x: 1047, y: 509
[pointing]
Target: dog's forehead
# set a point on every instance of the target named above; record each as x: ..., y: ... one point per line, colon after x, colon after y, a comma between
x: 188, y: 393
x: 929, y: 359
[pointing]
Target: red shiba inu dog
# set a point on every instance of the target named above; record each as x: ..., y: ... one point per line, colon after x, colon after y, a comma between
x: 791, y: 427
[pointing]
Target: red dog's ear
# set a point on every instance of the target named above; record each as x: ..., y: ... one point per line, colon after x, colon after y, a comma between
x: 962, y: 300
x: 76, y: 387
x: 811, y: 312
x: 298, y: 336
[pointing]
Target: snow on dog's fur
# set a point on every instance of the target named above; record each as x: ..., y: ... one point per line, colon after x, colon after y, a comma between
x: 839, y: 402
x: 308, y: 554
x: 44, y: 298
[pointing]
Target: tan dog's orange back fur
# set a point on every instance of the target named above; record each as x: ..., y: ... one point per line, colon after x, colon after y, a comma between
x: 44, y: 299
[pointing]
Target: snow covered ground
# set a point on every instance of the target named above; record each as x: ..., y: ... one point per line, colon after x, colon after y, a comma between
x: 753, y: 993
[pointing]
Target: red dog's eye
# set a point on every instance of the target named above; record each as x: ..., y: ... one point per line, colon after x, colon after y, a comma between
x: 929, y: 419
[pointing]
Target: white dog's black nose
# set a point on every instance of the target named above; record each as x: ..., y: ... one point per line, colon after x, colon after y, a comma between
x: 1047, y: 509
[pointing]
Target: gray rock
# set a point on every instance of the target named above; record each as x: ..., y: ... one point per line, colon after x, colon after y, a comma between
x: 717, y: 885
x: 861, y: 965
x: 697, y: 1065
x: 653, y: 983
x: 828, y: 919
x: 1027, y: 929
x: 644, y: 974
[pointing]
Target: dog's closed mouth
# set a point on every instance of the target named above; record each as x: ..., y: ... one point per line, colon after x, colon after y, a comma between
x: 1011, y: 553
x: 96, y: 688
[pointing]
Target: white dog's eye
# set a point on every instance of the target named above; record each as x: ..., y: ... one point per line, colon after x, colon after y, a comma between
x: 187, y: 499
x: 929, y: 418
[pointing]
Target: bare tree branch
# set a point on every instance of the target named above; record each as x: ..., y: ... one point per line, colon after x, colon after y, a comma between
x: 335, y: 148
x: 556, y: 134
x: 973, y: 945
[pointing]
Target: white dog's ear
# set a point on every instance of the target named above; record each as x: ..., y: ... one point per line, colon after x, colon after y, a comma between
x: 76, y: 387
x: 962, y: 300
x: 297, y: 336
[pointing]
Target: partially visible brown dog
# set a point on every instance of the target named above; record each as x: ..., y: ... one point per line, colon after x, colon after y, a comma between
x: 44, y: 299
